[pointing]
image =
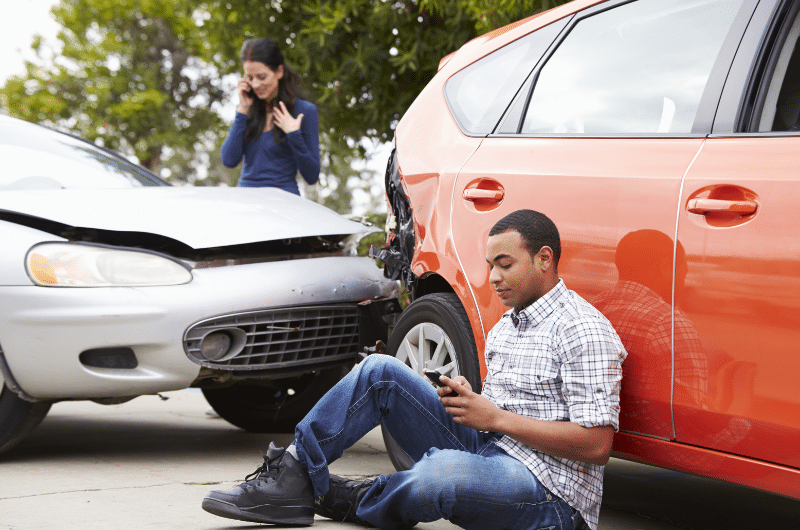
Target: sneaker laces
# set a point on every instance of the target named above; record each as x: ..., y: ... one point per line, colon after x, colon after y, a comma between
x: 348, y: 493
x: 269, y: 468
x: 343, y: 491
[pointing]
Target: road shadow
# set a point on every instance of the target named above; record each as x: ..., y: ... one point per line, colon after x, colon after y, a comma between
x: 694, y: 503
x: 85, y: 434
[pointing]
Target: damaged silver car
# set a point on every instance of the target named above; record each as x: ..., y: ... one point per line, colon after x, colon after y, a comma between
x: 114, y: 284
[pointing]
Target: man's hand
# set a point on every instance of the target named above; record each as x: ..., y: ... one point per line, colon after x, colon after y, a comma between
x: 563, y: 439
x: 469, y: 408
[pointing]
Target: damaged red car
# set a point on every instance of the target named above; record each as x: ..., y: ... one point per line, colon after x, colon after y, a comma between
x: 663, y: 138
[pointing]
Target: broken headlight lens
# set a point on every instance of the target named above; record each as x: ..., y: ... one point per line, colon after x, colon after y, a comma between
x: 83, y: 265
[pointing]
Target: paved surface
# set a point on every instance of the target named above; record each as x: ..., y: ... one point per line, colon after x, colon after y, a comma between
x: 147, y: 464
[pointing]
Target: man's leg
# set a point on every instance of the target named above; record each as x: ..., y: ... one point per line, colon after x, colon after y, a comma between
x: 380, y: 388
x: 484, y: 491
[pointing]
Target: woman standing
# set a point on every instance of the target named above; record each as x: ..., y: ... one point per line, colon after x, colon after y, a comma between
x: 275, y: 131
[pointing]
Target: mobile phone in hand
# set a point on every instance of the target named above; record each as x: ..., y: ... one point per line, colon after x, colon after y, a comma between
x: 434, y: 376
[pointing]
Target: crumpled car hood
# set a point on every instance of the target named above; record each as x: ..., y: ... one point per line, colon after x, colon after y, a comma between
x: 196, y: 216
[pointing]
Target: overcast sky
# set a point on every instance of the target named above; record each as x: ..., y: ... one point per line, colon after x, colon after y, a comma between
x: 22, y: 19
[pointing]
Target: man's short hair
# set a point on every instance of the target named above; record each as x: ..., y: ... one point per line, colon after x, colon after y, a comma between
x: 536, y: 229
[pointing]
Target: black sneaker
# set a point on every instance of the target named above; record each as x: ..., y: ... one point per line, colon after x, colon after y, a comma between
x: 278, y: 492
x: 342, y: 499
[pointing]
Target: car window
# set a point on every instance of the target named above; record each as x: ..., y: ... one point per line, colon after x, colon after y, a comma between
x: 479, y: 94
x: 38, y: 158
x: 638, y: 68
x: 781, y: 106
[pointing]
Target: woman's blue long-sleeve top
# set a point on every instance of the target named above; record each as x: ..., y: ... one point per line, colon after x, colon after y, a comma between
x: 271, y: 163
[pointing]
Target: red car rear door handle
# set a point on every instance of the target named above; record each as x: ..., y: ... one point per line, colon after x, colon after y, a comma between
x: 475, y: 194
x: 705, y: 206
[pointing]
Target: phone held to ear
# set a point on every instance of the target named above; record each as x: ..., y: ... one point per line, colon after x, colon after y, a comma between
x: 434, y: 376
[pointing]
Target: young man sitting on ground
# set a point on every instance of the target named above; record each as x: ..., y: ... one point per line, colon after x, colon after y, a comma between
x: 526, y: 453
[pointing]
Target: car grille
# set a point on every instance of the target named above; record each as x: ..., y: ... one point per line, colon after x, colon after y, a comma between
x: 282, y: 338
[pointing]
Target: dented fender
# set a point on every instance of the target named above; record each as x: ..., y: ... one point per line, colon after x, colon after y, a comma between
x: 398, y: 252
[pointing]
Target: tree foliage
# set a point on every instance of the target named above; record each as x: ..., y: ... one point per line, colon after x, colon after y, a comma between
x: 364, y: 61
x: 129, y: 76
x: 145, y: 76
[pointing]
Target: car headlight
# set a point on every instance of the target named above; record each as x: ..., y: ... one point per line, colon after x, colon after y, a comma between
x: 84, y: 265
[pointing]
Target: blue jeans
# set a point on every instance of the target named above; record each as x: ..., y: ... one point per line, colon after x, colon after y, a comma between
x: 460, y: 474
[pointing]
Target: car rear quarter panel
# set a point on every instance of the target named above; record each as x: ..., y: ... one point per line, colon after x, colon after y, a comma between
x: 431, y: 150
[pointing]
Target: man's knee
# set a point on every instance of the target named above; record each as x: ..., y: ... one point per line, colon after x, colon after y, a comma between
x: 384, y: 366
x: 437, y: 464
x: 440, y: 479
x: 450, y: 461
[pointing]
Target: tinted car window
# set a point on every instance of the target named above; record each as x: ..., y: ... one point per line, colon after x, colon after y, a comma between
x: 638, y: 68
x: 38, y: 158
x: 478, y: 94
x: 781, y: 107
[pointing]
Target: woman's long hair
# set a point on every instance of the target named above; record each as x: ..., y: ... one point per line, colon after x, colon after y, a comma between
x: 266, y: 51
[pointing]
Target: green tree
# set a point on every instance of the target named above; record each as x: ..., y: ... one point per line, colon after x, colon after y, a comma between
x: 364, y: 61
x: 129, y: 77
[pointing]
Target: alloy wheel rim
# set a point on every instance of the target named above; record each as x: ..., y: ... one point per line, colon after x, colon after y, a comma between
x: 427, y: 346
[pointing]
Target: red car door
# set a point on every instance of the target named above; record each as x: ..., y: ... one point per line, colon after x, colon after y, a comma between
x: 740, y: 228
x: 597, y: 192
x: 601, y: 145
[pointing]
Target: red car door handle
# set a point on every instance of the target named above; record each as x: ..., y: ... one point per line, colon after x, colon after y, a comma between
x: 475, y: 194
x: 705, y: 206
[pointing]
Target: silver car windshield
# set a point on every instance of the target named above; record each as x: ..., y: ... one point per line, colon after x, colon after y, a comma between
x: 38, y: 158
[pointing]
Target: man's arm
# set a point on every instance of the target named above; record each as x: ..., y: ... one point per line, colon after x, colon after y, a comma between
x: 563, y: 439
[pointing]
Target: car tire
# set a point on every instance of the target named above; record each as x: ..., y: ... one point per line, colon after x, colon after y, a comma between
x: 17, y: 417
x: 433, y: 332
x: 275, y: 405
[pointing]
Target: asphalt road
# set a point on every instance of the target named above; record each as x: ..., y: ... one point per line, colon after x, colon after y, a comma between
x: 147, y: 464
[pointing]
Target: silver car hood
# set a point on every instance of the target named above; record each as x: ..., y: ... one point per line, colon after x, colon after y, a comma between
x: 196, y: 216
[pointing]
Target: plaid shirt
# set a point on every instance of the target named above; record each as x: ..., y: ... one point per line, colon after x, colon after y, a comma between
x: 558, y: 359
